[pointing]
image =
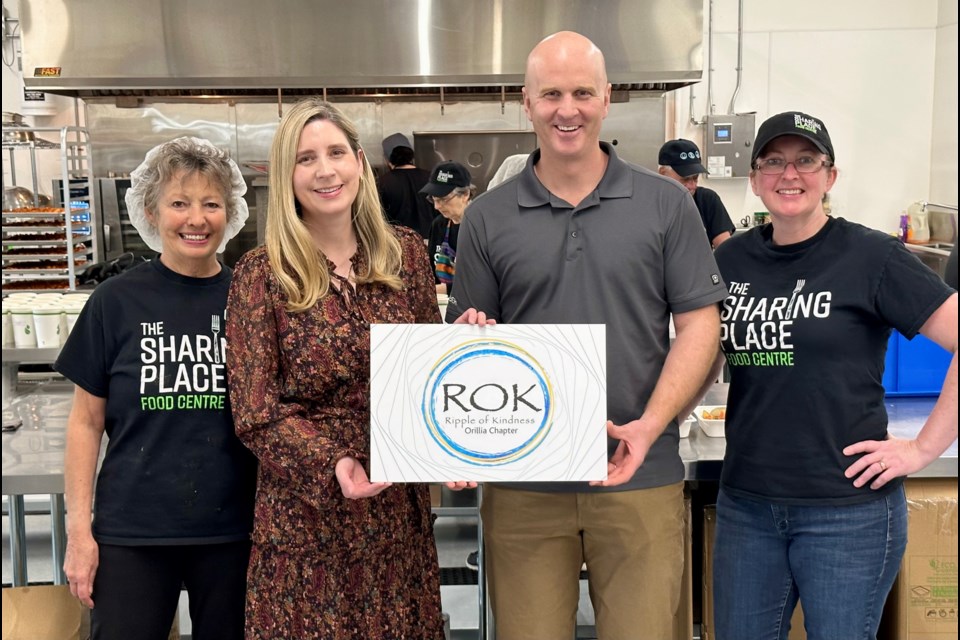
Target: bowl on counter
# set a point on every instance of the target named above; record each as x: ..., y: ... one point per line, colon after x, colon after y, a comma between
x: 685, y: 425
x: 712, y: 419
x: 22, y: 198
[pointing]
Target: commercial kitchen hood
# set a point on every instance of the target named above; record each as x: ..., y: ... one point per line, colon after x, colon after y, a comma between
x: 189, y: 49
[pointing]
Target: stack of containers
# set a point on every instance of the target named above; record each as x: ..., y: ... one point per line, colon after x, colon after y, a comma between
x: 40, y: 320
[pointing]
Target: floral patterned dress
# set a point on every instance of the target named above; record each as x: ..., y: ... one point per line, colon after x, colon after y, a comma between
x: 323, y: 566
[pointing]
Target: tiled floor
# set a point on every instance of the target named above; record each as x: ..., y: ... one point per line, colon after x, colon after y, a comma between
x: 456, y: 538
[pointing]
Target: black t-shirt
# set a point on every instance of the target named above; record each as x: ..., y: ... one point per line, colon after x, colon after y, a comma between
x: 715, y: 218
x: 804, y: 332
x: 402, y: 202
x: 152, y: 342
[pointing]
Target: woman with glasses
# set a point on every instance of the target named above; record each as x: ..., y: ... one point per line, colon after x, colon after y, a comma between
x: 334, y: 554
x: 449, y: 190
x: 811, y: 504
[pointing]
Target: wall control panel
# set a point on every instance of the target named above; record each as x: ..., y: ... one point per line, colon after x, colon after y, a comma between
x: 729, y: 142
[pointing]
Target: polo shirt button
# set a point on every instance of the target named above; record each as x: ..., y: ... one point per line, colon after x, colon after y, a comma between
x: 573, y: 235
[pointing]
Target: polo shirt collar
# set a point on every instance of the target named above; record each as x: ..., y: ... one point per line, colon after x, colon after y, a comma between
x: 617, y: 182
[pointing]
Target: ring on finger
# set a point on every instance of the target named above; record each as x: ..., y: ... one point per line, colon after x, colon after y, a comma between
x: 883, y: 465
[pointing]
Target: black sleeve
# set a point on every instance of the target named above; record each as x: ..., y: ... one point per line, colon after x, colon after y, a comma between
x: 950, y: 277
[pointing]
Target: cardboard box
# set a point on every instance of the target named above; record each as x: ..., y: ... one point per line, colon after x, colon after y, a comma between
x: 707, y: 630
x: 51, y: 611
x: 683, y: 619
x: 48, y: 611
x: 923, y: 603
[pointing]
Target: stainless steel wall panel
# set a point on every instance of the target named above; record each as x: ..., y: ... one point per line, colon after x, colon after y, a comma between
x: 256, y: 124
x: 120, y: 138
x: 407, y: 117
x: 482, y: 152
x: 638, y: 127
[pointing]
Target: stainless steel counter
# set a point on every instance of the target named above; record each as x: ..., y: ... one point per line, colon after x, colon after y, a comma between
x: 703, y: 456
x: 33, y: 458
x: 33, y: 464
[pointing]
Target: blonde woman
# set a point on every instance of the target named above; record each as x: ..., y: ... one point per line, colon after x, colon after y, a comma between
x: 334, y: 555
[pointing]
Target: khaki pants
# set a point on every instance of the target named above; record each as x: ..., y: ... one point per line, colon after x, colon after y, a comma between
x: 632, y: 542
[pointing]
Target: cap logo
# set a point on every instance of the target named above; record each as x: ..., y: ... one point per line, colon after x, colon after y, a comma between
x: 808, y: 124
x: 444, y: 176
x: 689, y: 155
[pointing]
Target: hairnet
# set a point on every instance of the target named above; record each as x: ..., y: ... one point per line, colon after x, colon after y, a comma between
x: 146, y: 172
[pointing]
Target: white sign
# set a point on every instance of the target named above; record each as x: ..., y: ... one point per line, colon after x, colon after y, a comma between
x: 498, y: 403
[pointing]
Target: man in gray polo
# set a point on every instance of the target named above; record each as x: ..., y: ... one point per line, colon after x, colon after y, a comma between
x: 582, y: 237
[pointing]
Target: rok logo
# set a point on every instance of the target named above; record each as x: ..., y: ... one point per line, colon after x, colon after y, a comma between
x: 488, y: 402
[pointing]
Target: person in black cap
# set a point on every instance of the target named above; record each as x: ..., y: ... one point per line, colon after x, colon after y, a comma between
x: 449, y: 190
x: 811, y: 504
x: 680, y: 159
x: 399, y: 186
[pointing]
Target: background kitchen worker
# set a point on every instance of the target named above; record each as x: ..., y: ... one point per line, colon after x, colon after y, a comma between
x: 449, y: 190
x: 400, y: 186
x: 811, y: 502
x: 174, y: 496
x: 582, y: 237
x: 680, y: 159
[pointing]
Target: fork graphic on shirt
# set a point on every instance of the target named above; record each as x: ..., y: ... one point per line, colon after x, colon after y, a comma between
x: 215, y: 328
x: 793, y: 296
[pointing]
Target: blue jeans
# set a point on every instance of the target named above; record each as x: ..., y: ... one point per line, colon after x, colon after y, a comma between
x: 839, y: 561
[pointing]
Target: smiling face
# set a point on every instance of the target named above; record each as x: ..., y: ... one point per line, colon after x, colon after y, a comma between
x: 566, y: 95
x: 791, y: 194
x: 191, y: 218
x: 326, y: 177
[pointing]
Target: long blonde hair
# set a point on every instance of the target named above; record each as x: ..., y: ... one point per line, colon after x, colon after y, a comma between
x: 294, y: 257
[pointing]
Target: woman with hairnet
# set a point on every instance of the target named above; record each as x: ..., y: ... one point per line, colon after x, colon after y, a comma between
x: 174, y: 494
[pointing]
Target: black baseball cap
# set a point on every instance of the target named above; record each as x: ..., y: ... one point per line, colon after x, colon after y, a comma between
x: 393, y: 141
x: 793, y: 123
x: 682, y: 156
x: 446, y: 177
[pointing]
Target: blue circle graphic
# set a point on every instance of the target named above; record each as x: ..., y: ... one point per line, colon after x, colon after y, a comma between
x: 488, y: 350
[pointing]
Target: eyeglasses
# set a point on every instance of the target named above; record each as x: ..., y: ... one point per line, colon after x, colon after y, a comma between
x: 441, y: 199
x: 803, y: 164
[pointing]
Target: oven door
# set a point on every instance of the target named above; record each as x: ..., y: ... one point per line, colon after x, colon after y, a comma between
x: 119, y: 234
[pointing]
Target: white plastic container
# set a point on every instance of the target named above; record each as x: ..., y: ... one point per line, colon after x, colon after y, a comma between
x: 24, y: 334
x: 7, y: 328
x: 710, y: 427
x: 46, y: 323
x: 71, y: 314
x: 442, y: 303
x: 918, y: 231
x: 686, y: 424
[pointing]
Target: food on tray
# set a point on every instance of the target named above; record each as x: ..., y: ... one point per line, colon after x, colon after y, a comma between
x: 29, y: 285
x: 36, y: 237
x: 33, y: 210
x: 717, y: 413
x: 34, y: 222
x: 59, y: 250
x: 44, y: 264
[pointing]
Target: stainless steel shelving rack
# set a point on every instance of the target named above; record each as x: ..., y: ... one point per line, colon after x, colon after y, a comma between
x: 78, y: 222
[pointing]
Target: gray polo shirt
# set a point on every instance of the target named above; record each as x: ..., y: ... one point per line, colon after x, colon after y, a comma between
x: 627, y: 256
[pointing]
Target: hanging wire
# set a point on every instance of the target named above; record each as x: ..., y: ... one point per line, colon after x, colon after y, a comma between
x: 12, y: 38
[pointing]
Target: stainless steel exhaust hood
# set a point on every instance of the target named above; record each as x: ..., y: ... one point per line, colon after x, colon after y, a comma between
x: 189, y: 49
